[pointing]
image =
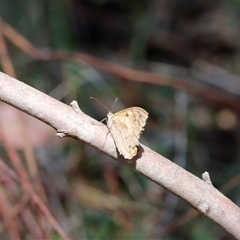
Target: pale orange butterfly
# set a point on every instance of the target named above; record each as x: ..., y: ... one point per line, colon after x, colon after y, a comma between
x: 126, y: 127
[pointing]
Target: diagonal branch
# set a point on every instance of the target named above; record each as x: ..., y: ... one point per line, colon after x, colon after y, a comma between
x: 72, y: 122
x: 215, y: 96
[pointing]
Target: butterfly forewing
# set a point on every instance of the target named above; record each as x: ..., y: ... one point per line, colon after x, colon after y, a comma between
x: 126, y: 127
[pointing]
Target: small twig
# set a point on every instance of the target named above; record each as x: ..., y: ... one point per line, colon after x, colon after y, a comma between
x: 15, y: 211
x: 27, y: 186
x: 206, y: 178
x: 75, y: 106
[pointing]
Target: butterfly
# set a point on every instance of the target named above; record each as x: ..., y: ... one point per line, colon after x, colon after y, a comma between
x: 126, y: 127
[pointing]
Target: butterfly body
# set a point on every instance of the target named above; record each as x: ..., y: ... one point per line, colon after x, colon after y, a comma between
x: 126, y: 127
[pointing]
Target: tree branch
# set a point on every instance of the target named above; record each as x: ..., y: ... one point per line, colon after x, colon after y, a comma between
x: 72, y: 122
x: 219, y: 97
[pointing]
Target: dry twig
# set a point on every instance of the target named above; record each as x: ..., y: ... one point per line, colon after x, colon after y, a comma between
x: 69, y: 122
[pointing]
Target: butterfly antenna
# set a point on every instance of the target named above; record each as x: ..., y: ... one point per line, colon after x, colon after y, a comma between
x: 114, y: 104
x: 100, y: 103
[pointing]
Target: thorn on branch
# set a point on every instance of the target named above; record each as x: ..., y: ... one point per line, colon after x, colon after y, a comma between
x: 206, y: 178
x: 203, y: 208
x: 75, y: 106
x: 61, y: 133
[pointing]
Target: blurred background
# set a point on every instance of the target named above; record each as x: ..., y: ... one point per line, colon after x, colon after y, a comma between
x: 184, y: 61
